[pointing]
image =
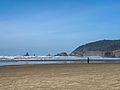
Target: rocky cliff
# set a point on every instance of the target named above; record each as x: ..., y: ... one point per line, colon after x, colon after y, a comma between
x: 108, y: 48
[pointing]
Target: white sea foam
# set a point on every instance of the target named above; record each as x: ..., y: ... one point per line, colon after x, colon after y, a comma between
x: 55, y: 58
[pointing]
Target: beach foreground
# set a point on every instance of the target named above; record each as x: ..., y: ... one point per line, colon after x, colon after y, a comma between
x: 61, y: 77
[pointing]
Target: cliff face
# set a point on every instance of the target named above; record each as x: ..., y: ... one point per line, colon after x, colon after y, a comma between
x: 117, y: 53
x: 99, y: 48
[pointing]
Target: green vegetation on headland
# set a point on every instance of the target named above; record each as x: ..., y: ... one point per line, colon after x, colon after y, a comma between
x: 106, y: 48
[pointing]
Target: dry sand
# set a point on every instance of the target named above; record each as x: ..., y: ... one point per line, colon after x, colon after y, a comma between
x: 61, y: 77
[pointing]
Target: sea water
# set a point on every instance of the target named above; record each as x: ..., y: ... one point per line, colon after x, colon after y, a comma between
x: 24, y: 62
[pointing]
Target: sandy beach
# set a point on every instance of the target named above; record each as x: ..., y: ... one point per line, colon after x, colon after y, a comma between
x: 61, y: 77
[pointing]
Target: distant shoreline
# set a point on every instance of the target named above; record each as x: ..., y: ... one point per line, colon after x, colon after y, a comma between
x: 57, y: 58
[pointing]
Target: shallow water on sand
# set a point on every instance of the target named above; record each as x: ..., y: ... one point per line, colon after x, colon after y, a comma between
x: 23, y: 62
x: 5, y: 63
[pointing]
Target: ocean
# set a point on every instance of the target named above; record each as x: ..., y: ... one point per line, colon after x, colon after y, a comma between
x: 25, y: 62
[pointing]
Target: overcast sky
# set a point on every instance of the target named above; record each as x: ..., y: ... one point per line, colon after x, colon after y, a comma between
x: 51, y: 26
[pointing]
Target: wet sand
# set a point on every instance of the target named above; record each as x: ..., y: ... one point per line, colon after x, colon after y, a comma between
x: 61, y: 77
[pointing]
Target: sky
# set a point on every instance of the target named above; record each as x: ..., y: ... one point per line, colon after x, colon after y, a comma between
x: 51, y: 26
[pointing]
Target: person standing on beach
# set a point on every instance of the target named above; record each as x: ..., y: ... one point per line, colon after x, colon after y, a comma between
x: 88, y: 60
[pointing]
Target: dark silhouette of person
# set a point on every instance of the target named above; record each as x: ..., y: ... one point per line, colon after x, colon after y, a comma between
x: 88, y: 60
